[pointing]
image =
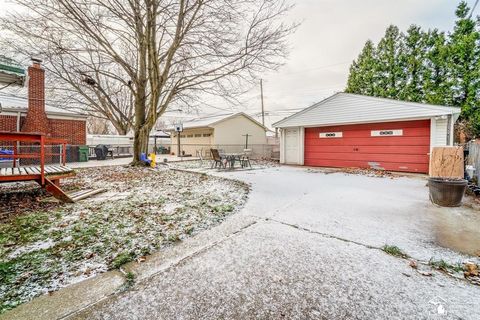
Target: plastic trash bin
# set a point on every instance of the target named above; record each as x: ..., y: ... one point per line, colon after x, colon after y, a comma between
x: 83, y: 153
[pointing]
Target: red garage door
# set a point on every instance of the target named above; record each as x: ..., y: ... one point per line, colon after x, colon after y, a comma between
x: 394, y: 146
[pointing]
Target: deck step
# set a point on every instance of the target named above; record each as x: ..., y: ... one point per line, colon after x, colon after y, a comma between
x: 58, y: 193
x: 83, y: 194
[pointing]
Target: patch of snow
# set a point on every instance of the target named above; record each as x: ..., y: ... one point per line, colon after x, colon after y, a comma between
x: 39, y: 245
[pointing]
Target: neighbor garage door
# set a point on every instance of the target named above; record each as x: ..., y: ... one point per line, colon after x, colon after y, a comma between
x: 395, y: 146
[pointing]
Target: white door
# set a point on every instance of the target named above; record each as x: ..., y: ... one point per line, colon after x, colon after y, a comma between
x: 291, y: 146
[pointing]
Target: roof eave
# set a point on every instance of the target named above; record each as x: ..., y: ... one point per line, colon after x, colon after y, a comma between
x: 52, y: 113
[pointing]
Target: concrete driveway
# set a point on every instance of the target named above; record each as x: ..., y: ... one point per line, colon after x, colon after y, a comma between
x: 310, y: 251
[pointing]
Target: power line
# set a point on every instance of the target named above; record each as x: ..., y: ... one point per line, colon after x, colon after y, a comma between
x: 316, y: 68
x: 473, y: 9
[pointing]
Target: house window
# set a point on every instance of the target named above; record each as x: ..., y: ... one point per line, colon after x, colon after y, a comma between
x: 189, y: 135
x: 386, y: 133
x: 182, y: 136
x: 331, y: 134
x: 198, y: 135
x: 207, y: 134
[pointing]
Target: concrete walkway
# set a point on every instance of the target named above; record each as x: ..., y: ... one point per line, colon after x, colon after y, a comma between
x: 312, y: 254
x: 306, y: 246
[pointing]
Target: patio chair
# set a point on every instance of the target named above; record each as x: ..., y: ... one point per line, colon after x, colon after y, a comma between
x: 245, y: 158
x: 199, y: 154
x: 217, y: 159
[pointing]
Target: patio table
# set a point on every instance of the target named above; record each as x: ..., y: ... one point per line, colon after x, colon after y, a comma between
x: 232, y: 157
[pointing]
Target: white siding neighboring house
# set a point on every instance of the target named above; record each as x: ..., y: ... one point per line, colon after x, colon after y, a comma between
x: 351, y: 120
x: 223, y: 131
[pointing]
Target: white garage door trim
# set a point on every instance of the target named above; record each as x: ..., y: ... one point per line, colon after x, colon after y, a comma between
x: 292, y: 145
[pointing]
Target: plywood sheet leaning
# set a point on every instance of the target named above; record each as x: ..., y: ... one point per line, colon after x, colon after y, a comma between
x: 447, y: 162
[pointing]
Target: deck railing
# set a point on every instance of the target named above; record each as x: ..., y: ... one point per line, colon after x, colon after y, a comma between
x: 15, y: 140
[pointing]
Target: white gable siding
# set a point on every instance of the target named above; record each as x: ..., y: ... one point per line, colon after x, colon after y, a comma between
x: 440, y: 133
x: 233, y: 131
x: 344, y: 108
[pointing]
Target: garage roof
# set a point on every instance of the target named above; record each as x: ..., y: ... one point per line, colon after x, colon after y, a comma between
x: 348, y: 108
x: 211, y: 121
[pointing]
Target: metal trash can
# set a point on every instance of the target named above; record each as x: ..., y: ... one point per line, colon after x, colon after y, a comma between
x: 101, y: 152
x: 83, y: 153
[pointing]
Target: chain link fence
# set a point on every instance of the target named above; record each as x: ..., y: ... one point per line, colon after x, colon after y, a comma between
x: 72, y: 152
x: 256, y: 151
x: 30, y: 154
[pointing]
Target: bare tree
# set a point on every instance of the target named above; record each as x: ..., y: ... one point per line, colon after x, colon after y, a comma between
x: 96, y: 125
x: 163, y: 52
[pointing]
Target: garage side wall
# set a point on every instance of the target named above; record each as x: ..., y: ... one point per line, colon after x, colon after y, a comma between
x: 232, y: 132
x: 292, y: 141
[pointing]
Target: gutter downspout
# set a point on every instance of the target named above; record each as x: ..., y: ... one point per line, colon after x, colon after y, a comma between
x: 19, y: 115
x: 449, y: 130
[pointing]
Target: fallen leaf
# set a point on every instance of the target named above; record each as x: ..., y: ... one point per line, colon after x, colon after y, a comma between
x: 413, y: 264
x: 426, y: 273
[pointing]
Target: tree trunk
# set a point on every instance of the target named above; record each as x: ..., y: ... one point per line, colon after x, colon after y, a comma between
x: 140, y: 143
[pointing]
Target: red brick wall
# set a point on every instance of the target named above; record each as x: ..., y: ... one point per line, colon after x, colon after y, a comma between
x: 75, y: 131
x: 8, y: 123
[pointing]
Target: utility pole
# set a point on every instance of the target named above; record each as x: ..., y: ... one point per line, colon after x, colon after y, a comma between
x: 246, y: 139
x: 261, y: 96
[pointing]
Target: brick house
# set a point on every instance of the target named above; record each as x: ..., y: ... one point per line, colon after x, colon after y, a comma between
x: 32, y: 115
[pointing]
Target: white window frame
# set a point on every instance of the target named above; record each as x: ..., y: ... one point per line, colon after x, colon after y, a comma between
x: 330, y: 135
x: 387, y: 133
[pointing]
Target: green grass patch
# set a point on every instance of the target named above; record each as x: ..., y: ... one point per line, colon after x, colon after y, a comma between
x: 394, y: 251
x: 26, y: 228
x: 442, y: 265
x: 221, y: 209
x: 130, y: 277
x: 121, y: 259
x: 17, y: 275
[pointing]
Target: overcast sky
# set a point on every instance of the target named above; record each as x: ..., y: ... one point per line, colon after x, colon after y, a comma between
x: 331, y: 35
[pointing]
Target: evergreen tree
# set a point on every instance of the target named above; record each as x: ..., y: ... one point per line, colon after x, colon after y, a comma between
x: 463, y: 59
x: 362, y: 77
x: 413, y: 59
x: 390, y: 67
x: 436, y: 88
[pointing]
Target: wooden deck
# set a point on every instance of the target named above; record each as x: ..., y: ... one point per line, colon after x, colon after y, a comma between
x: 24, y: 171
x: 47, y: 176
x: 34, y: 173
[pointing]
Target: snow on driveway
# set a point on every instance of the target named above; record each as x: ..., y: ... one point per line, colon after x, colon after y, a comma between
x: 371, y: 210
x: 309, y: 257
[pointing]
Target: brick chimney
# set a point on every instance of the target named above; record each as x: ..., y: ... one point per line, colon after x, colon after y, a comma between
x: 36, y: 120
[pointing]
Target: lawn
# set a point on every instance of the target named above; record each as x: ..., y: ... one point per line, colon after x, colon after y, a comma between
x: 45, y: 245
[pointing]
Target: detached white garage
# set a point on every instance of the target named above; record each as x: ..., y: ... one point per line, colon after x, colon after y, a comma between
x: 349, y: 130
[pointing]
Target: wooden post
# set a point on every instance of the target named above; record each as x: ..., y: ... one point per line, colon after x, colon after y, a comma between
x: 42, y: 159
x: 246, y: 139
x: 15, y: 152
x: 64, y: 153
x: 261, y: 95
x: 178, y: 144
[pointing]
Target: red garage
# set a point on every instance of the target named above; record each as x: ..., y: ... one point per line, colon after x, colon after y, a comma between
x: 348, y: 130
